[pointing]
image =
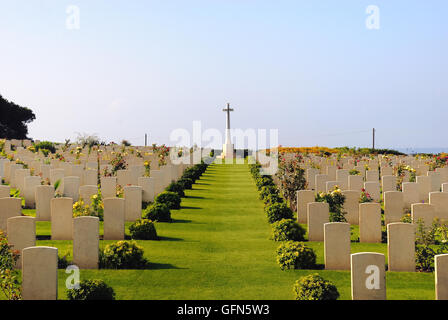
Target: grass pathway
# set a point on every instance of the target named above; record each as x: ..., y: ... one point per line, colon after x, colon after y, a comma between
x: 218, y: 247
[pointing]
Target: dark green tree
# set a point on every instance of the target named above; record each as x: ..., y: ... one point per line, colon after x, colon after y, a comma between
x: 14, y: 120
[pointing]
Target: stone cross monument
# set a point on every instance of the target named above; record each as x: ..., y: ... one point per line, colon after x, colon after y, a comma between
x: 227, y: 148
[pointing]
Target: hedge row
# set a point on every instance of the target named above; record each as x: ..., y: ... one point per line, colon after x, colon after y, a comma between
x: 292, y: 253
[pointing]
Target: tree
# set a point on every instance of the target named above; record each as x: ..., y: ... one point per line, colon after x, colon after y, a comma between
x: 291, y: 177
x: 14, y: 120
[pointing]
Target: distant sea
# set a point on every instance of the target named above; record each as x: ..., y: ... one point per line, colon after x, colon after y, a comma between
x: 421, y: 150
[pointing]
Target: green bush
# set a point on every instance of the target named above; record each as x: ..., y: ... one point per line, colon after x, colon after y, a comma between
x: 64, y: 262
x: 193, y: 173
x: 263, y: 181
x: 171, y: 199
x: 157, y: 212
x: 278, y: 211
x: 287, y: 229
x: 186, y: 183
x: 123, y: 255
x: 424, y: 258
x: 255, y: 170
x: 273, y: 198
x: 266, y: 191
x: 95, y: 289
x: 45, y: 145
x: 176, y: 187
x: 314, y: 287
x: 143, y: 229
x: 295, y: 255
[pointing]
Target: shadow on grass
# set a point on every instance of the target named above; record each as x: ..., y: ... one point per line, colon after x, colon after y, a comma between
x: 181, y: 221
x: 201, y: 183
x: 187, y: 207
x: 43, y: 237
x: 161, y: 266
x: 169, y: 239
x: 194, y: 197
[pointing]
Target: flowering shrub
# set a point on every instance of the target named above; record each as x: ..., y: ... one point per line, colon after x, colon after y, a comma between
x: 96, y: 208
x: 314, y: 287
x: 335, y: 200
x: 314, y: 150
x: 295, y: 255
x: 147, y: 165
x: 119, y: 191
x: 287, y: 229
x: 123, y: 255
x: 354, y: 172
x: 80, y: 209
x: 9, y: 276
x: 365, y: 197
x: 401, y: 173
x: 118, y: 163
x: 143, y: 229
x: 162, y: 153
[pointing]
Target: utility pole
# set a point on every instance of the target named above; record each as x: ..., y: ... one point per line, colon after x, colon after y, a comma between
x: 146, y: 140
x: 373, y: 142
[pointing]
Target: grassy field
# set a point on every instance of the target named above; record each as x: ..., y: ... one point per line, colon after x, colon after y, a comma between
x: 218, y: 247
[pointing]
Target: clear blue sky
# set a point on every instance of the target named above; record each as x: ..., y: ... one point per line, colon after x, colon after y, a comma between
x: 309, y: 68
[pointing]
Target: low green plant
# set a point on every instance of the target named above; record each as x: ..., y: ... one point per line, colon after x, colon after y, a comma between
x: 429, y: 242
x: 273, y: 198
x: 123, y: 255
x: 45, y: 145
x: 186, y: 183
x: 157, y: 212
x: 295, y: 255
x: 64, y: 262
x: 266, y: 191
x: 263, y: 181
x: 143, y: 229
x: 278, y: 211
x: 335, y: 200
x: 287, y: 229
x: 171, y: 199
x: 314, y: 287
x: 91, y: 289
x: 176, y: 187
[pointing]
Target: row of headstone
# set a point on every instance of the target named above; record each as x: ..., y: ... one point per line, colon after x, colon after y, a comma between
x: 400, y: 246
x: 395, y: 204
x: 368, y: 275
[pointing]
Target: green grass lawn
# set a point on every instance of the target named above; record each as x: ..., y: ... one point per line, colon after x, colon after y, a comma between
x: 218, y: 247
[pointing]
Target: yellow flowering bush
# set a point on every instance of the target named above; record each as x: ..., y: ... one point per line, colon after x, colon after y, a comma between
x: 123, y: 255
